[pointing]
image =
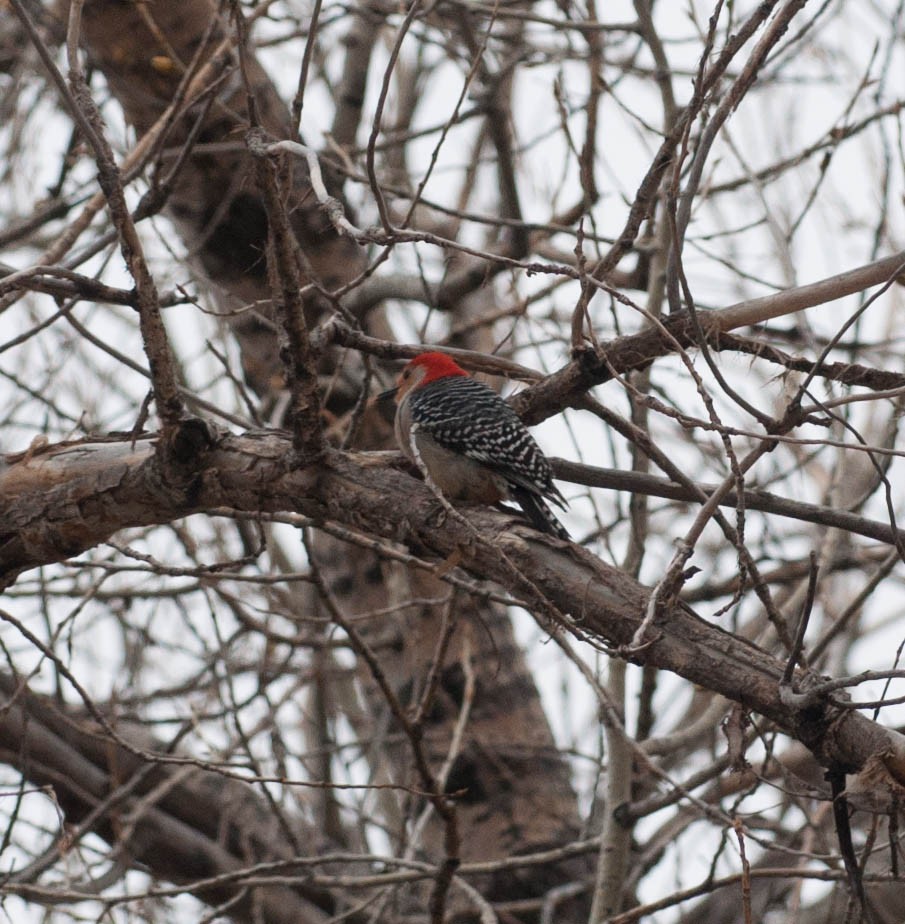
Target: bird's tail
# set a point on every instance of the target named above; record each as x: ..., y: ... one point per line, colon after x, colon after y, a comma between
x: 540, y: 515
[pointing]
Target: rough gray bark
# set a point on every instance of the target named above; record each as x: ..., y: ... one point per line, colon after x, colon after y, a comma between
x: 189, y: 95
x: 96, y: 489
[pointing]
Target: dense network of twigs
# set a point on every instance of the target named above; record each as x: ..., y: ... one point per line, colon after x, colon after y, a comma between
x: 250, y: 668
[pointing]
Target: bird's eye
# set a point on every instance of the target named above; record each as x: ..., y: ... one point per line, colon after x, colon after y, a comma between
x: 406, y: 373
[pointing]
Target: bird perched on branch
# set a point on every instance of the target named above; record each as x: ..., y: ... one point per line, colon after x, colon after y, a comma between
x: 470, y: 442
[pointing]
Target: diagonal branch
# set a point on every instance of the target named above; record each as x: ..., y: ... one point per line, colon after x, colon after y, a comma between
x: 72, y: 497
x: 558, y: 391
x: 179, y: 834
x: 77, y: 97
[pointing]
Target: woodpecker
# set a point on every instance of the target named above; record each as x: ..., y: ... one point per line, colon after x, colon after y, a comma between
x: 472, y: 444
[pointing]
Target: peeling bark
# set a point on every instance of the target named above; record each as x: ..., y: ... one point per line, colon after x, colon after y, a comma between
x: 595, y: 601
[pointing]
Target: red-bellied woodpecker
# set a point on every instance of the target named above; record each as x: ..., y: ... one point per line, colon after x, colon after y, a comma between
x: 471, y: 443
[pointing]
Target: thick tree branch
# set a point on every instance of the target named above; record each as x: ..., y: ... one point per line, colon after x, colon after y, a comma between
x: 72, y: 497
x: 188, y: 831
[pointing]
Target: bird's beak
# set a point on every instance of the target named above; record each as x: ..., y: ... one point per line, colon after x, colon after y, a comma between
x: 389, y: 393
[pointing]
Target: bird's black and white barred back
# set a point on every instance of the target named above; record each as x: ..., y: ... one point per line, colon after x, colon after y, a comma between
x: 471, y: 442
x: 467, y: 417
